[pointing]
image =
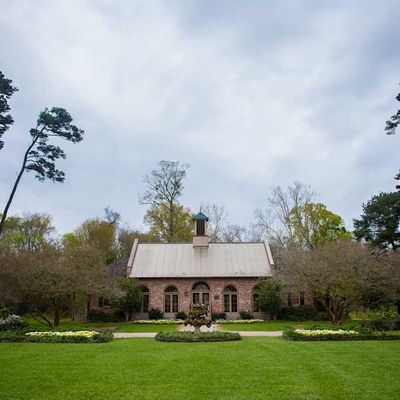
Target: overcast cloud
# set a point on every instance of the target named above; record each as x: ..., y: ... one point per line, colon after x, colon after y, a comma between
x: 251, y: 94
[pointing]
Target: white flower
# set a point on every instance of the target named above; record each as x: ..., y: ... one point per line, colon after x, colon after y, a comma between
x: 87, y: 334
x: 319, y: 332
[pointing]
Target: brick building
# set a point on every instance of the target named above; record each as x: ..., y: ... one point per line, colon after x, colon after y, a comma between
x: 173, y: 276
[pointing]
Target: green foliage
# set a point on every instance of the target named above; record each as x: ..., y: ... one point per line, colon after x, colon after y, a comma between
x: 314, y: 225
x: 394, y: 121
x: 270, y: 297
x: 101, y: 316
x: 246, y: 315
x: 197, y: 337
x: 10, y: 321
x: 302, y: 314
x: 99, y: 337
x: 129, y: 300
x: 169, y: 221
x: 181, y: 315
x: 32, y: 232
x: 379, y: 224
x: 198, y: 316
x: 291, y: 334
x: 170, y: 226
x: 384, y: 320
x: 6, y: 91
x: 155, y: 313
x: 217, y: 316
x: 42, y: 155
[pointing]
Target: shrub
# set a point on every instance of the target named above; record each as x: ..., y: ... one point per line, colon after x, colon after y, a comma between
x: 198, y: 317
x: 386, y: 320
x: 335, y: 335
x: 181, y: 315
x: 102, y: 316
x: 155, y: 313
x: 218, y: 316
x: 302, y: 314
x: 197, y: 337
x: 244, y: 314
x: 59, y: 337
x: 11, y: 322
x: 158, y: 321
x: 239, y: 321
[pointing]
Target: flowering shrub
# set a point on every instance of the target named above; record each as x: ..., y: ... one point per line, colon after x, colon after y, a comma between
x: 159, y: 321
x: 11, y: 321
x: 335, y: 334
x: 317, y: 332
x: 69, y: 337
x: 198, y: 317
x: 238, y: 321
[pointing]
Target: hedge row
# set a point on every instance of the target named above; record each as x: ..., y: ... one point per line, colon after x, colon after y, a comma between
x: 100, y: 337
x: 295, y: 336
x: 197, y: 337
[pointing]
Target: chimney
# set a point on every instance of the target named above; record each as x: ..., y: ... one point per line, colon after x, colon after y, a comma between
x: 200, y: 238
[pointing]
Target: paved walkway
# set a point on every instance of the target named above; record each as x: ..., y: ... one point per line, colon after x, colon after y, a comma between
x: 126, y: 335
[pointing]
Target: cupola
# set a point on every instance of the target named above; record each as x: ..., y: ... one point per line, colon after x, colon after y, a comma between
x: 200, y: 238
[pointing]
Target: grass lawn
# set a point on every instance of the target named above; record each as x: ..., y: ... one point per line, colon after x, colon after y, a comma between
x: 254, y: 368
x: 280, y: 325
x: 67, y: 325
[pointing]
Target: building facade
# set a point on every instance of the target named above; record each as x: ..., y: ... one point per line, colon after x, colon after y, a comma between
x: 174, y: 276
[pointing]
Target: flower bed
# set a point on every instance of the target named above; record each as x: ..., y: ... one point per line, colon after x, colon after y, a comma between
x: 159, y: 321
x: 238, y: 321
x: 197, y: 337
x: 59, y: 337
x: 335, y: 334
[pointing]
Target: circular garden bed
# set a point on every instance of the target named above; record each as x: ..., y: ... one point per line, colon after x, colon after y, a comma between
x: 197, y: 337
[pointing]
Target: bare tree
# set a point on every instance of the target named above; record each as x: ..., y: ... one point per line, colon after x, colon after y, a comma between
x: 233, y: 233
x: 278, y: 221
x: 165, y: 186
x: 217, y: 220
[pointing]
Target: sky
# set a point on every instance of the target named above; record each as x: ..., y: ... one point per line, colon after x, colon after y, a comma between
x: 251, y: 94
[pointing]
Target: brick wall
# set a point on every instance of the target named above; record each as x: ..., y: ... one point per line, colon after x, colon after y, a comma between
x: 244, y: 287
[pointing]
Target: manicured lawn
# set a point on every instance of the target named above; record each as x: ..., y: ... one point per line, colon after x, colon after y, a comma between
x: 280, y: 325
x: 113, y: 326
x: 254, y: 368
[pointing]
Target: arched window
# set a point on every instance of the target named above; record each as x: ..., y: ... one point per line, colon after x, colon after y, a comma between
x: 145, y: 300
x: 230, y: 299
x: 255, y: 300
x: 171, y: 299
x: 201, y: 293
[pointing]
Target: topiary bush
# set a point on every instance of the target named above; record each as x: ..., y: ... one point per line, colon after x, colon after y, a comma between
x: 244, y: 314
x: 198, y: 317
x: 181, y: 315
x: 197, y: 337
x: 155, y: 313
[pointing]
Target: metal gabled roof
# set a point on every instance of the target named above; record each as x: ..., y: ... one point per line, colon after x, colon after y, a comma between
x: 182, y: 260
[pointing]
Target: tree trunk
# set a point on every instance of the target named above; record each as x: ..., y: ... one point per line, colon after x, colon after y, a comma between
x: 89, y: 298
x: 14, y: 189
x: 56, y: 321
